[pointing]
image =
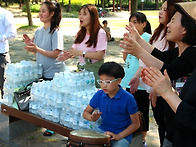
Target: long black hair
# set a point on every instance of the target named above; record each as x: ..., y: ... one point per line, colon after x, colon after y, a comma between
x: 56, y: 19
x: 141, y: 18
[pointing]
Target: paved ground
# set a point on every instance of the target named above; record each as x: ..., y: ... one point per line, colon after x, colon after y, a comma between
x: 36, y: 138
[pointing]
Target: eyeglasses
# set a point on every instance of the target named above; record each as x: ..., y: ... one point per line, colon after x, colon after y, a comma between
x: 107, y: 82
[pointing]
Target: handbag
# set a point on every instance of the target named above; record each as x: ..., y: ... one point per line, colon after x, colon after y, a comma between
x: 92, y: 67
x: 142, y: 122
x: 22, y: 95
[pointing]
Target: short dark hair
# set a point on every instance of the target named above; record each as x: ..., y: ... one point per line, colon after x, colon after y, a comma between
x: 190, y: 26
x: 112, y: 69
x: 105, y: 21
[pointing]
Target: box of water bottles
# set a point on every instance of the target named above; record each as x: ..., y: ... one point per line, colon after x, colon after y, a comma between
x: 18, y: 75
x: 64, y: 99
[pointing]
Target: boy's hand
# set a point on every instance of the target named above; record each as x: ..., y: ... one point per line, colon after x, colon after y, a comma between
x: 95, y: 116
x: 113, y: 136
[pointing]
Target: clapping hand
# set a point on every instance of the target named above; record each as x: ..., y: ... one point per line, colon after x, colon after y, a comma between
x: 132, y: 31
x: 154, y: 78
x: 31, y: 47
x: 130, y: 45
x: 27, y: 39
x: 64, y: 55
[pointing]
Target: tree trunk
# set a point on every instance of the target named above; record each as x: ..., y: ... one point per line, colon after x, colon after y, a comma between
x: 113, y: 5
x: 133, y: 6
x: 117, y: 5
x: 20, y: 3
x: 120, y: 5
x: 103, y: 3
x: 129, y: 5
x: 157, y: 4
x: 6, y: 4
x: 29, y: 13
x: 69, y: 7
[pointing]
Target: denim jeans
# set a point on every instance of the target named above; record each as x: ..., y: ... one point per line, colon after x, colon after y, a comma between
x: 117, y: 143
x: 120, y: 143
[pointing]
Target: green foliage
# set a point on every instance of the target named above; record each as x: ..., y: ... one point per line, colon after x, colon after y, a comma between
x: 74, y: 7
x: 78, y: 2
x: 148, y: 5
x: 33, y: 8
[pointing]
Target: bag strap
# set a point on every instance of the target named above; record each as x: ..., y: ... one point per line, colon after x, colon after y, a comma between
x: 30, y: 84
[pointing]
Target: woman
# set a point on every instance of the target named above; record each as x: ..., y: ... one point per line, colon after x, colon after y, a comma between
x: 47, y: 42
x: 90, y: 43
x: 184, y: 105
x: 179, y: 61
x: 159, y: 41
x: 132, y: 64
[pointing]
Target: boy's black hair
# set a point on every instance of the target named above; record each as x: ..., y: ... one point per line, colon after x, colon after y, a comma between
x: 112, y: 69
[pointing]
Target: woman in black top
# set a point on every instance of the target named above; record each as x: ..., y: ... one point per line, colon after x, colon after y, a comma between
x: 183, y: 105
x: 178, y: 62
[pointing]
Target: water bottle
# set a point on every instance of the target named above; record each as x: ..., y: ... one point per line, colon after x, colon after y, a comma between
x: 40, y: 70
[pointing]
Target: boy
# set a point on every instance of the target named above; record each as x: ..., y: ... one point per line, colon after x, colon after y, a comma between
x: 118, y: 108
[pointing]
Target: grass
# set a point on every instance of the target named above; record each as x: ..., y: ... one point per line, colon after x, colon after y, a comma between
x: 27, y: 28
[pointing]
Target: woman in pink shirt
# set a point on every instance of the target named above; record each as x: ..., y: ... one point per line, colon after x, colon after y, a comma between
x: 90, y: 43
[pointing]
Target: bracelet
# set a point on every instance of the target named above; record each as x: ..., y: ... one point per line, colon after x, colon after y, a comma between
x: 84, y: 54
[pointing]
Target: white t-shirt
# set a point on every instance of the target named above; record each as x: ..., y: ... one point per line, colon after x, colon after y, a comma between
x: 7, y: 29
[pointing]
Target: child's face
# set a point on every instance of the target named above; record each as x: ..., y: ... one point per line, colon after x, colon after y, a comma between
x: 111, y: 88
x: 138, y: 25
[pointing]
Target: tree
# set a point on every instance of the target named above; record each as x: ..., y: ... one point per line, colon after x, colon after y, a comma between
x: 69, y: 6
x: 157, y: 4
x: 29, y: 13
x: 6, y: 4
x: 133, y: 6
x: 103, y: 3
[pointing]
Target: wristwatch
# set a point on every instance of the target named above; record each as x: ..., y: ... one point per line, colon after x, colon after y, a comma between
x: 84, y: 54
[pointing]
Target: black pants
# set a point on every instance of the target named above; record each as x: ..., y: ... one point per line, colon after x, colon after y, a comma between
x: 142, y: 99
x: 4, y: 59
x: 159, y: 113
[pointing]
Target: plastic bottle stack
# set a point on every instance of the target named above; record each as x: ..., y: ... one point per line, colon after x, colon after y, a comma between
x: 18, y: 75
x: 64, y: 99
